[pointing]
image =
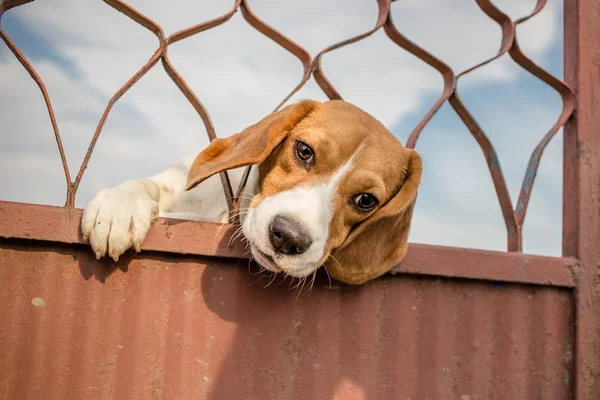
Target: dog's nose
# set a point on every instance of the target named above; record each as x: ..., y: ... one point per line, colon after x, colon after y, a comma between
x: 287, y: 236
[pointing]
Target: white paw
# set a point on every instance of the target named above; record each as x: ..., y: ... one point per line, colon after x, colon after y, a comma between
x: 117, y: 219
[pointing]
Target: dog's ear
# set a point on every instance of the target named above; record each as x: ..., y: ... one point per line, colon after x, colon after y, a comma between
x: 380, y: 242
x: 252, y: 146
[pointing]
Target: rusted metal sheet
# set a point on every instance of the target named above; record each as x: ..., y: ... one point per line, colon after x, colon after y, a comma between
x: 62, y: 225
x: 181, y: 328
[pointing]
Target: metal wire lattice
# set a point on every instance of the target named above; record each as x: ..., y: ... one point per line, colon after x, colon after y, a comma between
x: 514, y: 216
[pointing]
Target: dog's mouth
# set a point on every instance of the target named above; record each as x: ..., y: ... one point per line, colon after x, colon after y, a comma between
x: 264, y: 260
x: 268, y: 263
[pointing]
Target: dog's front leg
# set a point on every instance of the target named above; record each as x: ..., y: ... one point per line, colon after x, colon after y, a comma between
x: 118, y: 218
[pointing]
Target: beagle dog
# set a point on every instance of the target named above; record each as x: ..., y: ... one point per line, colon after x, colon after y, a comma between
x: 330, y: 183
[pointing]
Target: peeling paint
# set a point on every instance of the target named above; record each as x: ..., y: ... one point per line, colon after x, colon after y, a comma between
x: 38, y: 302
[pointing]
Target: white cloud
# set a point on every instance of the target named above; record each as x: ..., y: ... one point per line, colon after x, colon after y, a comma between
x: 240, y: 76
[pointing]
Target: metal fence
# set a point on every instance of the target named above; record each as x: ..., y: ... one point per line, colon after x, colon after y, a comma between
x: 577, y: 272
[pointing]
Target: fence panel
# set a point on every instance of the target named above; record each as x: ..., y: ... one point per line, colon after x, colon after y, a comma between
x: 175, y: 327
x: 185, y: 319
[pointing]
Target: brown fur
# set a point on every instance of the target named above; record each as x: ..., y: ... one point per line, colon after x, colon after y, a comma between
x: 366, y: 245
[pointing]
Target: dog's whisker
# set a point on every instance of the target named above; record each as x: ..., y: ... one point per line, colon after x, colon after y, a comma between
x: 250, y: 264
x: 338, y: 263
x: 239, y: 237
x: 250, y: 270
x: 260, y: 274
x: 233, y: 238
x: 312, y: 283
x: 219, y: 230
x: 300, y: 283
x: 303, y: 279
x: 249, y: 259
x: 243, y: 256
x: 236, y: 215
x: 328, y: 276
x: 291, y: 282
x: 285, y: 276
x: 235, y: 235
x: 241, y: 212
x: 306, y: 278
x: 273, y: 277
x: 239, y: 232
x: 293, y: 278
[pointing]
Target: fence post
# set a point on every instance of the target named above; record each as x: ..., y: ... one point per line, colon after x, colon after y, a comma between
x: 581, y: 185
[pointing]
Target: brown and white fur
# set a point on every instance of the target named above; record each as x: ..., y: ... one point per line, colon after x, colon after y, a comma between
x: 314, y: 164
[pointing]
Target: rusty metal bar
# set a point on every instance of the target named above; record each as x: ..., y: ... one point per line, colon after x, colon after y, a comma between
x: 581, y: 186
x: 62, y: 225
x: 515, y: 237
x: 498, y: 266
x: 59, y: 224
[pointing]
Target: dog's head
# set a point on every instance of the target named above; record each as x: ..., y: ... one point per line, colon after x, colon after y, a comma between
x: 335, y: 188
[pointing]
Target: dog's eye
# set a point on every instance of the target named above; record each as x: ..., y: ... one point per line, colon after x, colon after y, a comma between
x: 365, y: 201
x: 304, y: 152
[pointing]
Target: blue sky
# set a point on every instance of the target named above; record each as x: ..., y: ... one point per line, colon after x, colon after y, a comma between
x: 240, y: 76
